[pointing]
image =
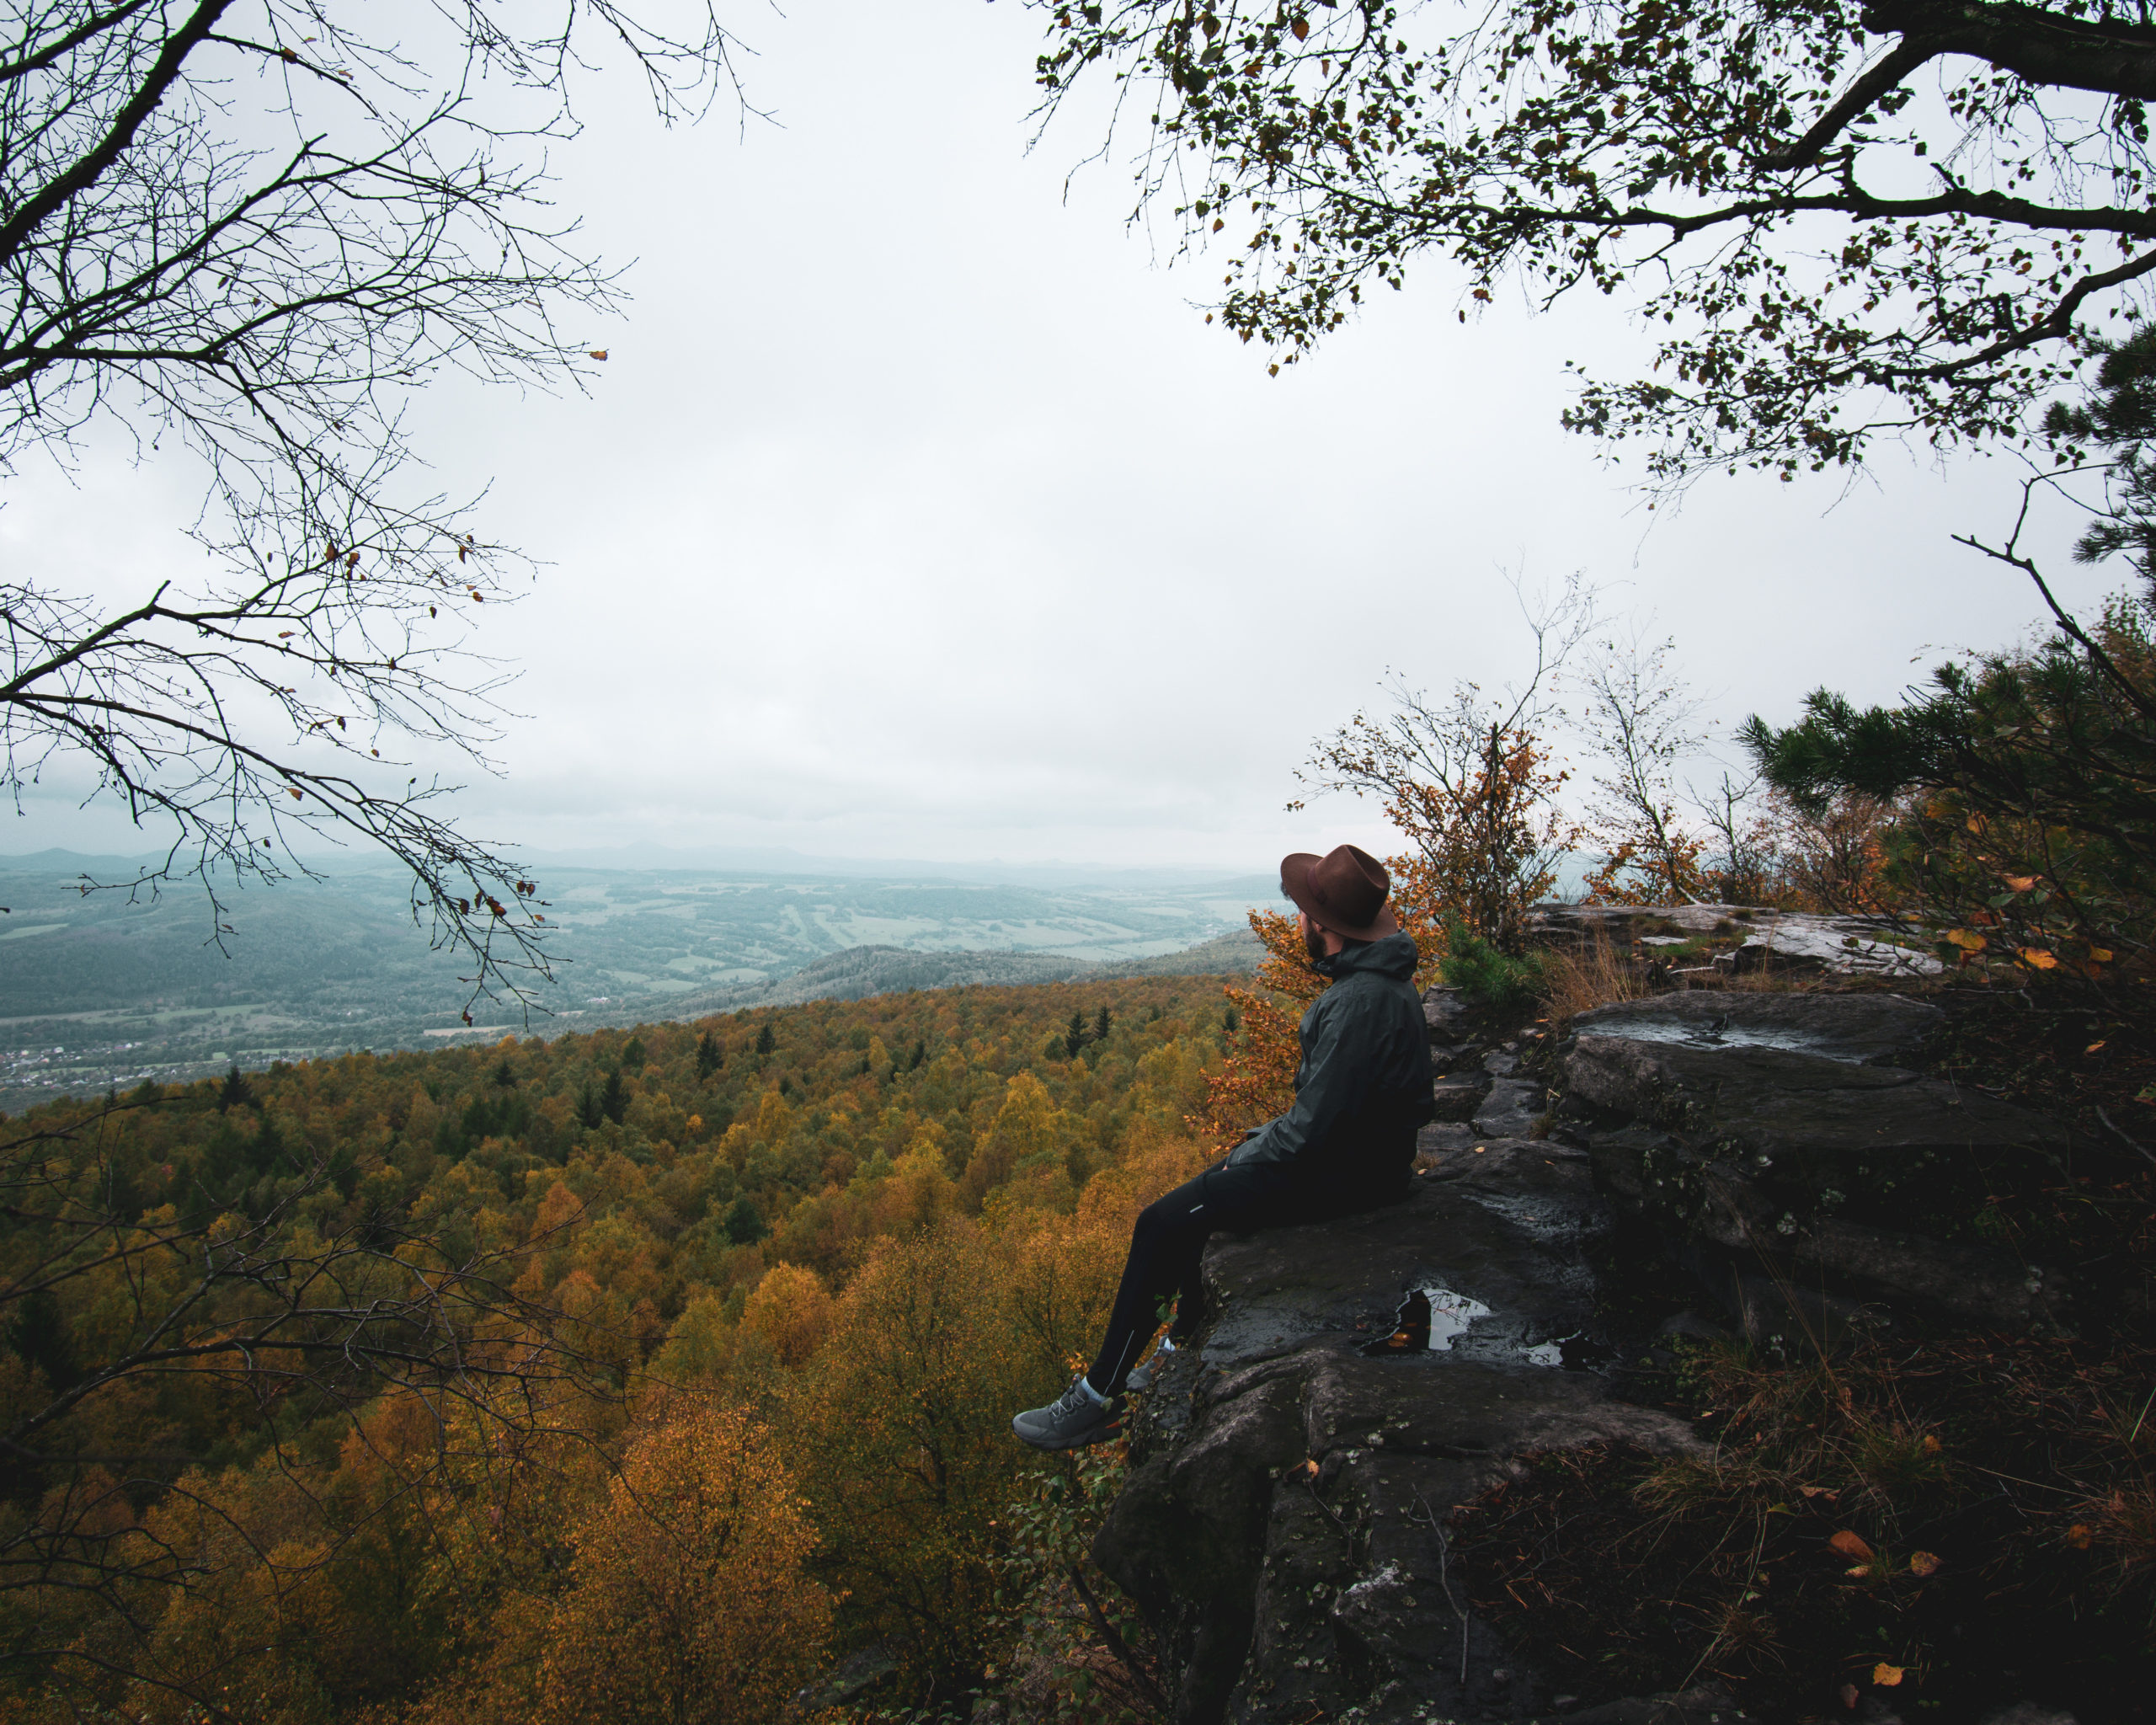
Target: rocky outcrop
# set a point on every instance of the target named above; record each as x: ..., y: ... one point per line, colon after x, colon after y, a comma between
x: 1764, y: 1135
x: 1848, y: 946
x: 1284, y: 1523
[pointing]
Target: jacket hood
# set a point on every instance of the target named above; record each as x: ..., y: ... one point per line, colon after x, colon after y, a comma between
x: 1393, y: 957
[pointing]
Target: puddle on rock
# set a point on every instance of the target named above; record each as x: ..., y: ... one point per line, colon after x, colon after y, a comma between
x: 1428, y: 1322
x: 1573, y: 1352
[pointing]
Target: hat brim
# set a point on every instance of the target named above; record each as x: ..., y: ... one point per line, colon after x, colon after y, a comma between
x: 1295, y: 881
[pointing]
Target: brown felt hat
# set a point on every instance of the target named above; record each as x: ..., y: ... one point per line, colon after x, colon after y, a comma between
x: 1343, y: 890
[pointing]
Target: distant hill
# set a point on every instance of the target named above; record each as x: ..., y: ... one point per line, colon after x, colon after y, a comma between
x: 859, y: 972
x: 101, y: 988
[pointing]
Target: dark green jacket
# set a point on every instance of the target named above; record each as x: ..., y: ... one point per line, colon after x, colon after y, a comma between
x: 1364, y: 1085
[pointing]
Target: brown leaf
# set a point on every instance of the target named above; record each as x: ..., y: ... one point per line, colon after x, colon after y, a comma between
x: 599, y: 353
x: 2038, y: 959
x: 1923, y: 1563
x: 292, y: 791
x: 2019, y: 882
x: 2080, y: 1536
x: 1850, y: 1544
x: 1301, y: 27
x: 1884, y: 1675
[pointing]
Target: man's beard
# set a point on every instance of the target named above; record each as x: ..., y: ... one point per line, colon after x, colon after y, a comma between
x: 1314, y: 941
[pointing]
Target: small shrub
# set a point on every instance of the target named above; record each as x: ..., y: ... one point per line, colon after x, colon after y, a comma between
x: 1486, y: 976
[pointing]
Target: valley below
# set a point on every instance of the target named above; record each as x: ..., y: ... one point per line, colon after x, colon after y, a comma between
x: 100, y: 989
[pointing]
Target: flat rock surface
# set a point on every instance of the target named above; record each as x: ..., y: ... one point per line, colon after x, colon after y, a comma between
x: 1283, y: 1524
x: 1862, y: 1029
x: 1763, y: 1128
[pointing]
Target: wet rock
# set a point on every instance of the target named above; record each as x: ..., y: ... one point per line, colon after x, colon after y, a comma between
x: 1862, y: 1029
x: 1441, y: 1136
x: 1457, y: 1097
x: 1446, y: 1014
x: 1510, y: 1109
x: 2029, y: 1713
x: 1758, y: 1132
x: 1282, y: 1523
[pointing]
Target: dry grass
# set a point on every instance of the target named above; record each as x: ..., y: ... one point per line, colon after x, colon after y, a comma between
x: 1595, y: 975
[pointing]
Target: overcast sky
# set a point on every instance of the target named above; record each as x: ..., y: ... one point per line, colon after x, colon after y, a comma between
x: 918, y: 514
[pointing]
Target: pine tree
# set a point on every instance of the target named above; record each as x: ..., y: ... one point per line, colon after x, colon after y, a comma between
x: 1074, y: 1039
x: 234, y: 1092
x: 614, y: 1100
x: 767, y: 1039
x: 709, y: 1059
x: 633, y: 1055
x: 1101, y: 1022
x: 744, y: 1222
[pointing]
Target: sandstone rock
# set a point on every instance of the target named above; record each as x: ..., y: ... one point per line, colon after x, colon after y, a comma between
x: 1456, y: 1096
x: 1864, y: 1028
x: 1749, y: 1125
x: 1510, y: 1109
x: 1446, y: 1013
x: 1283, y: 1522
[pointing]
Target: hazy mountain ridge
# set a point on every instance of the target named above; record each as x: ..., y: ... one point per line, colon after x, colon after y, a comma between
x: 95, y: 989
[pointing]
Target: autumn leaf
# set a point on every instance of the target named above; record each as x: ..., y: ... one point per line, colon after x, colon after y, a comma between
x: 284, y: 634
x: 1967, y: 939
x: 1884, y: 1675
x: 2094, y: 1046
x: 1816, y: 1491
x: 599, y: 353
x: 1931, y: 1445
x: 1923, y: 1563
x: 292, y: 791
x: 2037, y: 959
x: 1301, y: 27
x: 2019, y: 882
x: 1303, y: 1471
x: 2080, y: 1536
x: 1850, y: 1544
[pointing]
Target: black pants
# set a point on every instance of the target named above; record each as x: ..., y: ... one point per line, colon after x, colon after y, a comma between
x: 1169, y: 1241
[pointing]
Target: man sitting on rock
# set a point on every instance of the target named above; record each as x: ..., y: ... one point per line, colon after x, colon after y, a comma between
x: 1347, y: 1145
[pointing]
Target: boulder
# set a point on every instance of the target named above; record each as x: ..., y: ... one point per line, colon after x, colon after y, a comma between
x: 1457, y: 1096
x: 1510, y: 1109
x: 1282, y: 1524
x: 1763, y: 1128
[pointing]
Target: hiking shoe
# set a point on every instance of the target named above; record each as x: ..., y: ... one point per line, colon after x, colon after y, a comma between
x: 1070, y: 1421
x: 1142, y: 1379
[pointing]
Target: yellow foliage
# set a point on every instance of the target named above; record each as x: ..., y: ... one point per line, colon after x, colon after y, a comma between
x: 791, y: 1310
x: 687, y: 1601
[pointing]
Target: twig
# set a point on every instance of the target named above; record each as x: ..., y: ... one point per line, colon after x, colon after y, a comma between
x: 1116, y: 1644
x: 1444, y: 1547
x: 2121, y: 1133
